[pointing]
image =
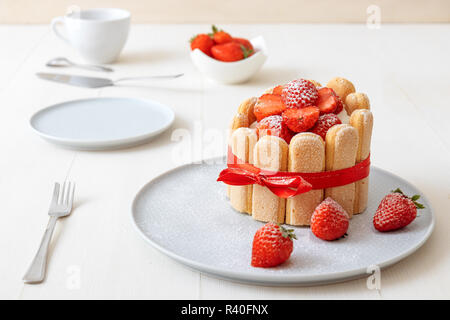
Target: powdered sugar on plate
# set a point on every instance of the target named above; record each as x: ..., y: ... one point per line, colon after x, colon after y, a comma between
x: 185, y: 214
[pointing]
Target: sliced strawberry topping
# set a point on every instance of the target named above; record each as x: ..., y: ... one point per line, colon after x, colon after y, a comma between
x: 301, y: 119
x: 328, y: 101
x: 339, y: 106
x: 325, y: 122
x: 268, y: 105
x: 274, y: 126
x: 278, y: 90
x: 299, y: 93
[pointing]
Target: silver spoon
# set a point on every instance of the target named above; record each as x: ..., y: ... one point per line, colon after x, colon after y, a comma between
x: 64, y: 62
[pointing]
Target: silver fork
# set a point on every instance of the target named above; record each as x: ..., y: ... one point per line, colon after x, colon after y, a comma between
x: 61, y: 206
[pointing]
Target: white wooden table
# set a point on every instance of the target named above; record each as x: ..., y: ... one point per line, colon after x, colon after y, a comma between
x: 97, y: 254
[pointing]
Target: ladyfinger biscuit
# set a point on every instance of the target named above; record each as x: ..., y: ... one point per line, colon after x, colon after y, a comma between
x: 239, y: 120
x: 270, y: 153
x: 342, y: 87
x: 242, y: 143
x: 356, y: 100
x: 244, y: 117
x: 306, y: 154
x: 362, y: 121
x: 341, y: 147
x: 246, y: 108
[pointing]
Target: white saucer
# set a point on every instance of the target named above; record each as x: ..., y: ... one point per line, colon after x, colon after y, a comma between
x: 184, y: 213
x: 102, y: 123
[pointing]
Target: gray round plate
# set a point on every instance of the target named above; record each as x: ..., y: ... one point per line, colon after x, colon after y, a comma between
x: 185, y: 214
x: 102, y: 123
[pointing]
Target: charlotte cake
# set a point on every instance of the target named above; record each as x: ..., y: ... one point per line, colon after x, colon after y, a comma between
x: 300, y: 127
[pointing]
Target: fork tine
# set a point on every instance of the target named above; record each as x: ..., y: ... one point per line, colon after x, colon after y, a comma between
x: 71, y: 194
x: 67, y: 194
x: 55, y: 193
x: 63, y: 193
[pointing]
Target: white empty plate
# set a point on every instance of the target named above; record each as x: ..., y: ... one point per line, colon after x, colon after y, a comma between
x: 102, y: 123
x: 184, y: 213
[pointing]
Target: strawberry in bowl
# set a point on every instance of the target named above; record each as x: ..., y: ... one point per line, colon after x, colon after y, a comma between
x: 227, y: 59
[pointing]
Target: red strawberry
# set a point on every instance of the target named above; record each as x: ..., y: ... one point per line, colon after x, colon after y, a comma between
x: 301, y: 119
x: 299, y: 93
x: 396, y: 211
x: 229, y: 52
x: 339, y: 106
x: 268, y: 105
x: 325, y: 122
x: 244, y: 42
x: 278, y: 90
x: 202, y: 42
x: 329, y: 220
x: 220, y: 36
x: 274, y: 126
x: 272, y: 245
x: 328, y: 101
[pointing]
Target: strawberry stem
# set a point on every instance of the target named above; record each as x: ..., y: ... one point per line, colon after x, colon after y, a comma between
x: 287, y: 233
x: 247, y: 52
x: 414, y: 198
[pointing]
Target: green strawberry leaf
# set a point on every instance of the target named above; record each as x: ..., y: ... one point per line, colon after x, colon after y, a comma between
x: 414, y: 198
x: 247, y: 52
x: 287, y: 233
x: 192, y: 38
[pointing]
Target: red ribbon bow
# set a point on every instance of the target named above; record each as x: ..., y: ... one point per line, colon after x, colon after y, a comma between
x: 288, y: 184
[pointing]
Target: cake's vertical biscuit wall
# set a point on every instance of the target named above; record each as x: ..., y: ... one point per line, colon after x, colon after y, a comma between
x: 356, y: 100
x: 341, y: 148
x: 270, y: 153
x: 342, y: 87
x: 243, y: 119
x: 242, y: 143
x: 362, y: 121
x: 306, y: 154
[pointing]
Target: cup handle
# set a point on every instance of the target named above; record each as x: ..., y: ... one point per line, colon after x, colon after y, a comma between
x: 54, y: 27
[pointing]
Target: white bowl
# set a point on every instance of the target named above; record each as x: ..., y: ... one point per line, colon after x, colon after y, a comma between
x: 231, y: 72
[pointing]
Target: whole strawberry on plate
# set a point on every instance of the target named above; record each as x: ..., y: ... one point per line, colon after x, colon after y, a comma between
x: 396, y: 211
x: 329, y: 220
x: 272, y: 245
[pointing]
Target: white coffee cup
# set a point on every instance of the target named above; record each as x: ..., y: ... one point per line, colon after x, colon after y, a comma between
x: 98, y: 35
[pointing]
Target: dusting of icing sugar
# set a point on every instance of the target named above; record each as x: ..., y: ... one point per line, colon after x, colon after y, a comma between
x: 186, y: 213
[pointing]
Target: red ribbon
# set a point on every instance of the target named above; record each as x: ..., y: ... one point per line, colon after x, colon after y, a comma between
x: 288, y: 184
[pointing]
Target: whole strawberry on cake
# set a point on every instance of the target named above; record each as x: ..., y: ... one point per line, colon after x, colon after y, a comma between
x: 297, y: 144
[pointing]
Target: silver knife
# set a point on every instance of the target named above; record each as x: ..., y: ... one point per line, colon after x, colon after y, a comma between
x: 91, y: 82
